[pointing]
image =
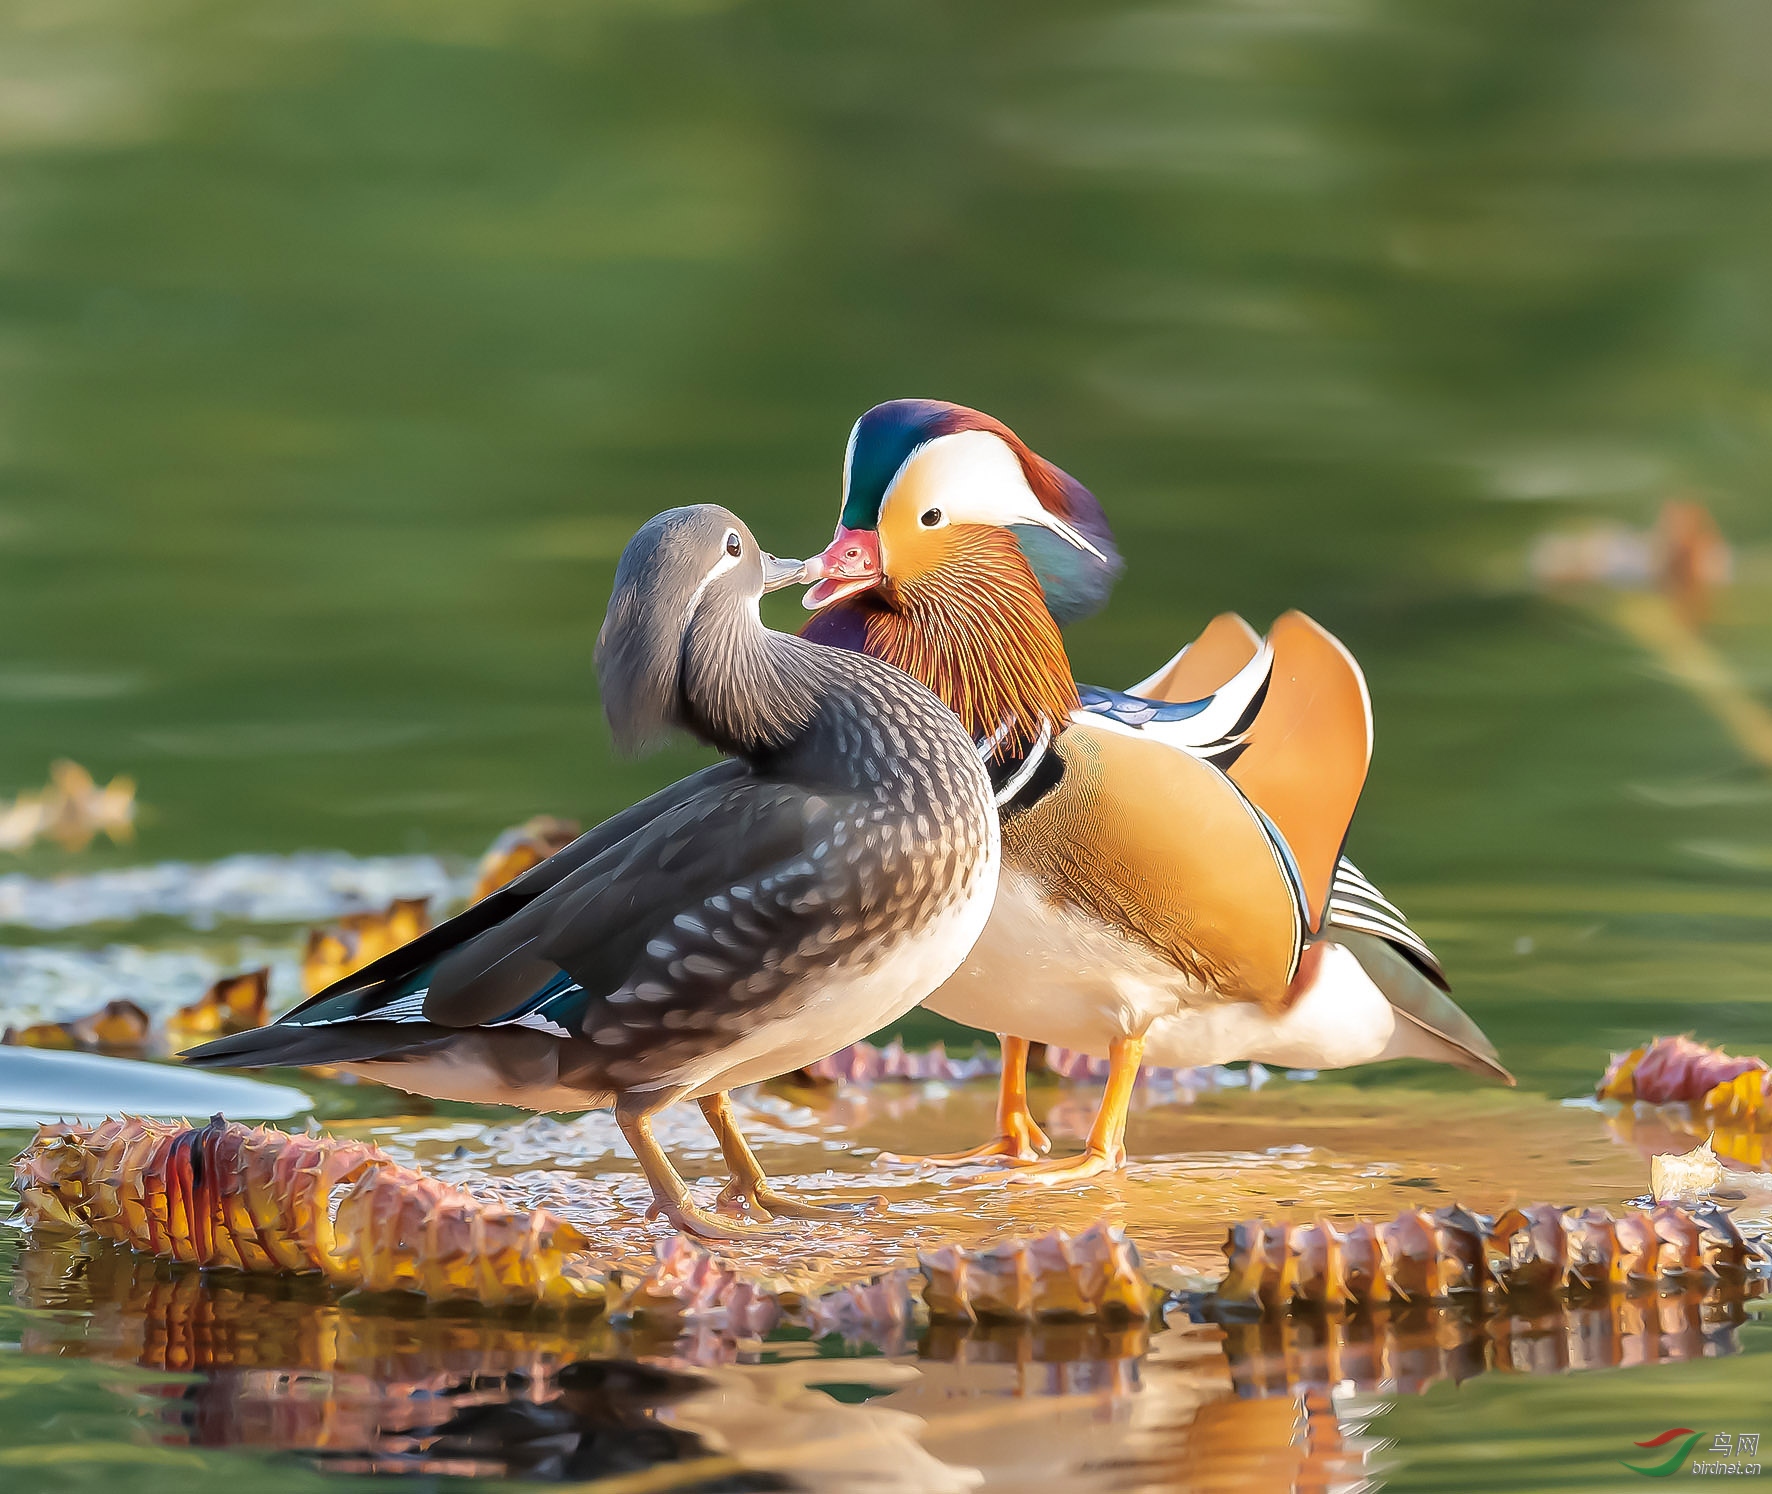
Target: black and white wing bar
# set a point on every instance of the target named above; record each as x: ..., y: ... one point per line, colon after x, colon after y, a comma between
x: 1354, y: 903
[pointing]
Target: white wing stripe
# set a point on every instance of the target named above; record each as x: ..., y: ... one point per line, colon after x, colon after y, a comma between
x: 1372, y: 915
x: 538, y: 1022
x: 408, y: 1008
x: 1394, y: 933
x: 532, y: 1017
x: 1211, y: 731
x: 1354, y: 903
x: 1218, y: 722
x: 1353, y: 919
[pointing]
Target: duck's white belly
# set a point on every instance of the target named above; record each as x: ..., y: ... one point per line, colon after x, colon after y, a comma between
x: 1053, y: 975
x: 850, y: 1003
x: 458, y: 1074
x: 1338, y: 1019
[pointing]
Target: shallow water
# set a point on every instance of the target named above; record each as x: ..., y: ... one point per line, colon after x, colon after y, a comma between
x: 224, y: 1367
x: 342, y: 346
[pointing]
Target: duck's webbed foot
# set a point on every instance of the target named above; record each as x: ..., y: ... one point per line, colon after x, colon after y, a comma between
x: 1105, y: 1150
x: 670, y: 1196
x: 1055, y: 1170
x: 1019, y: 1139
x: 761, y: 1199
x: 1021, y: 1143
x: 750, y: 1192
x: 690, y: 1218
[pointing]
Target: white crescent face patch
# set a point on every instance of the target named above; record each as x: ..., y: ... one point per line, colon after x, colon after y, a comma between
x: 973, y: 477
x: 720, y: 567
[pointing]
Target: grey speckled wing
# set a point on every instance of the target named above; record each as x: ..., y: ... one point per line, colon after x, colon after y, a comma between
x: 695, y: 928
x: 377, y: 983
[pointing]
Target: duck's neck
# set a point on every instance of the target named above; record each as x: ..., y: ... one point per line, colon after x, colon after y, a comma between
x: 746, y: 690
x: 976, y: 631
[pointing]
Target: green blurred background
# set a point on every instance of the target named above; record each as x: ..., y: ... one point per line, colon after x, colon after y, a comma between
x: 343, y: 345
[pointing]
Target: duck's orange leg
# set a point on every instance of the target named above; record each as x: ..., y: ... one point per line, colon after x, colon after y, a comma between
x: 1019, y: 1138
x: 1105, y: 1151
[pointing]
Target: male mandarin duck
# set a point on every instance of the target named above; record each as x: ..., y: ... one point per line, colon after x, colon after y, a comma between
x: 751, y: 919
x: 1173, y: 884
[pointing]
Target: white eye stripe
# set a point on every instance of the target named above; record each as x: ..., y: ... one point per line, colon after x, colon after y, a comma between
x: 1072, y: 535
x: 719, y: 568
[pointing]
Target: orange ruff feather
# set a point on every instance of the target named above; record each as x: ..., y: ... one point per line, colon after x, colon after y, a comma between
x: 976, y: 631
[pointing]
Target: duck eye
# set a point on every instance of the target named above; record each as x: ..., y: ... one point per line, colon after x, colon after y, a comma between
x: 734, y: 545
x: 931, y: 517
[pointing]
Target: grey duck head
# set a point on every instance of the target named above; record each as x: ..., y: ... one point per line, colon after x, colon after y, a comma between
x: 682, y: 644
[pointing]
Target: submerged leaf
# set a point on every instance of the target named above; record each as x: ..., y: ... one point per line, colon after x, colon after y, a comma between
x: 1685, y: 1176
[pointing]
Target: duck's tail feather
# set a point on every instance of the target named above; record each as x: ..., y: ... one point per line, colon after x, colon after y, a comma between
x: 285, y: 1045
x: 1432, y: 1025
x: 1205, y: 665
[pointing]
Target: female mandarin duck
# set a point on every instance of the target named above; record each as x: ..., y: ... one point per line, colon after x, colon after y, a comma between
x: 751, y: 919
x: 1173, y: 883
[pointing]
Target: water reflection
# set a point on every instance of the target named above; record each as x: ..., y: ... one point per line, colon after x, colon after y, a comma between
x: 378, y: 1386
x: 592, y: 1419
x: 1409, y: 1349
x: 1654, y: 1129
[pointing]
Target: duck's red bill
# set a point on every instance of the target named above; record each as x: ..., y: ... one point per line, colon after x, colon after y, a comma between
x: 834, y: 589
x: 849, y: 564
